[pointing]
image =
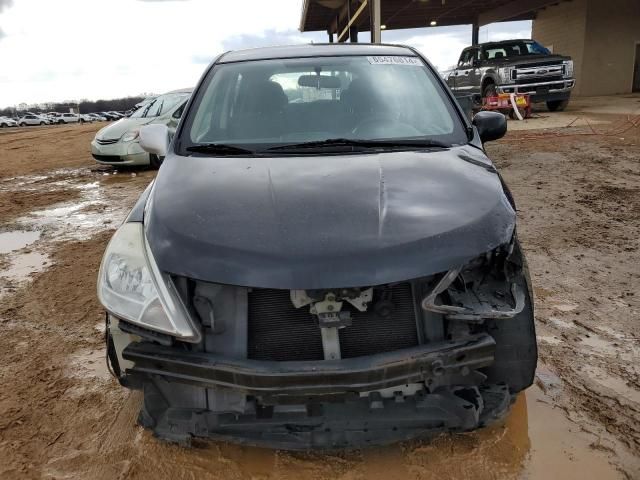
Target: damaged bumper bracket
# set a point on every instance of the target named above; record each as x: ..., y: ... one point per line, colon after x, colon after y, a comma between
x: 465, y: 313
x: 432, y: 363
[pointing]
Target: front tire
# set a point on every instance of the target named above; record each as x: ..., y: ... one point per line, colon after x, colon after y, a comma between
x: 490, y: 90
x: 557, y: 105
x: 42, y: 123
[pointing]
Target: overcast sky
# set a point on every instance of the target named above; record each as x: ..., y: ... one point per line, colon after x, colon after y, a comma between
x: 57, y: 50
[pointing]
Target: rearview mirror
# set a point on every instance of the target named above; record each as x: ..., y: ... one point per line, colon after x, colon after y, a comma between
x: 155, y: 139
x: 490, y: 125
x: 319, y: 81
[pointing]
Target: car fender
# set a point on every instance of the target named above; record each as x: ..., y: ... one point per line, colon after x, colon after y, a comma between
x: 490, y: 74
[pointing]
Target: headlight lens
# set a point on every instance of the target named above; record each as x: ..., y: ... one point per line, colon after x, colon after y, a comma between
x: 568, y: 68
x: 505, y: 74
x: 130, y: 136
x: 131, y: 287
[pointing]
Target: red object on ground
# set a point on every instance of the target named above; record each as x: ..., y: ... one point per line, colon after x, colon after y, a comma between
x: 502, y: 102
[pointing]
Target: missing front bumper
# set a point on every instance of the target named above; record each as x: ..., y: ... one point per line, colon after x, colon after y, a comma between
x: 334, y: 426
x: 435, y: 364
x: 320, y: 404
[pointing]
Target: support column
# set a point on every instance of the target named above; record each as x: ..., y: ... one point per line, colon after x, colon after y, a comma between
x: 475, y: 33
x: 374, y: 15
x: 330, y: 36
x: 353, y: 34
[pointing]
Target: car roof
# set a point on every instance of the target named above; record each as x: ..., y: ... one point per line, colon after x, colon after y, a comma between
x: 502, y: 42
x: 314, y: 50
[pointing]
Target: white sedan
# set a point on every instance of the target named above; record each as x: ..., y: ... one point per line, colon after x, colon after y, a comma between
x: 68, y: 118
x: 32, y: 120
x: 7, y: 122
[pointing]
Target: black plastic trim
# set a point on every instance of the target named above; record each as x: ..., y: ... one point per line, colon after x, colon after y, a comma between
x: 426, y: 363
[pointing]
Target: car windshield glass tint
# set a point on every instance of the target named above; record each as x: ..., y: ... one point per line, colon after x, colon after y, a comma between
x: 290, y: 101
x: 536, y: 48
x: 514, y: 49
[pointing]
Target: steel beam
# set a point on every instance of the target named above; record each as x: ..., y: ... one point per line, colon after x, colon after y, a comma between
x: 374, y: 13
x: 354, y: 17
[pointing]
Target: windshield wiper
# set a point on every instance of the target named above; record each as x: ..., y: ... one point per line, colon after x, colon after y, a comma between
x: 349, y: 142
x: 219, y: 148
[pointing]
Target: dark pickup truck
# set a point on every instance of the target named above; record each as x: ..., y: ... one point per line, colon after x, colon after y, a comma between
x: 514, y: 66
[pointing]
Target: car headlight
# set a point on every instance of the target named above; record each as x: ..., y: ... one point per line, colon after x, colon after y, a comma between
x: 568, y: 68
x: 131, y: 287
x: 505, y: 74
x: 130, y: 136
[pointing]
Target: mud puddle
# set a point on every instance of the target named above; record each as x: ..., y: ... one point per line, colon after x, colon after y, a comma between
x: 16, y: 240
x: 94, y: 204
x: 536, y: 441
x: 89, y: 364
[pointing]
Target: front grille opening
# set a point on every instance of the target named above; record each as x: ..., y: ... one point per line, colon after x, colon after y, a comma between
x: 279, y: 331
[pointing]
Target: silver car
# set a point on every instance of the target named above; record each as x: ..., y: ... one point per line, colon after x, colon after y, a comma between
x: 7, y: 122
x: 31, y: 119
x: 118, y: 143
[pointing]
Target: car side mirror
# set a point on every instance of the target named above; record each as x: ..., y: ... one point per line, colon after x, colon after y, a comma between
x: 155, y: 139
x: 490, y: 125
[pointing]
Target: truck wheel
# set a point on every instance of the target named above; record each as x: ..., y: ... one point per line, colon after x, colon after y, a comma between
x: 557, y: 105
x: 489, y: 90
x: 155, y: 161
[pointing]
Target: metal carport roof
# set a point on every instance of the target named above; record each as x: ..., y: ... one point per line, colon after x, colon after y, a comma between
x: 333, y: 16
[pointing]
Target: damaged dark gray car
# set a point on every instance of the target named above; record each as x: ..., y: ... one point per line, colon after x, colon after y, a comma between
x: 327, y: 258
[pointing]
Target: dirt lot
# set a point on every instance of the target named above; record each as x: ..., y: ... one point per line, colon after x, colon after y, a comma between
x: 63, y: 416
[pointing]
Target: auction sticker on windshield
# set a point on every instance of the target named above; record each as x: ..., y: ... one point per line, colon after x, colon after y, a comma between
x: 381, y: 60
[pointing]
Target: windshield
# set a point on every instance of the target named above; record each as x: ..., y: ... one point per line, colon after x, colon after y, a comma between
x: 261, y: 104
x: 515, y: 49
x: 159, y: 105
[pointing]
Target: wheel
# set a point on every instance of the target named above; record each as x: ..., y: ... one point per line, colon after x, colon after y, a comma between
x: 3, y: 125
x: 489, y: 90
x: 557, y: 105
x: 155, y: 161
x: 23, y: 124
x: 60, y: 122
x: 42, y: 123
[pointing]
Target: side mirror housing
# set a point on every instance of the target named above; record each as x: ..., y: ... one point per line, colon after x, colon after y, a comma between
x: 490, y: 125
x: 155, y: 139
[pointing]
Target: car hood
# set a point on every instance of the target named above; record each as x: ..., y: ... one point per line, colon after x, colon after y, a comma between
x: 122, y: 126
x: 325, y: 221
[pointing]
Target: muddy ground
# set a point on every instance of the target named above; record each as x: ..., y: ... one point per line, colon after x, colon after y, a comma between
x: 63, y: 416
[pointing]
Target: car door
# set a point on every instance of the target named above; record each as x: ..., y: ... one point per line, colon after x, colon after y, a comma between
x: 474, y: 77
x: 463, y: 70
